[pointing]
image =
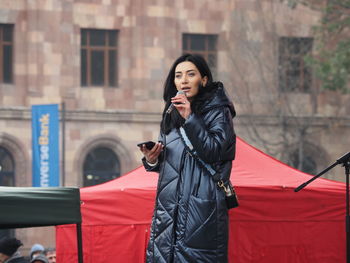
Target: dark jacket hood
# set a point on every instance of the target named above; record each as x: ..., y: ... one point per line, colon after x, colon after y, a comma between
x: 219, y: 99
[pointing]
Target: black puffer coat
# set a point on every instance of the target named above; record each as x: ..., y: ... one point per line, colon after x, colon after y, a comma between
x: 190, y: 221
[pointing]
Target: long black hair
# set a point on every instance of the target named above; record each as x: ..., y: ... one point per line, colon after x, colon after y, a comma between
x: 174, y: 119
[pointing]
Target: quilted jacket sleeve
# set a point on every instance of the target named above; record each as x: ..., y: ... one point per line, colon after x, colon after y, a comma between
x: 212, y: 135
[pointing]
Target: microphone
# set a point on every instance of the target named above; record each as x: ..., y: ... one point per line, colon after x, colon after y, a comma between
x: 171, y: 107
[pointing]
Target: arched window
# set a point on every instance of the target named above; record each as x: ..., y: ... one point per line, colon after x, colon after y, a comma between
x: 7, y: 168
x: 100, y: 165
x: 309, y: 159
x: 7, y: 178
x: 308, y: 164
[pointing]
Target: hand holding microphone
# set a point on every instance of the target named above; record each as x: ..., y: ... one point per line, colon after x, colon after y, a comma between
x: 181, y: 103
x: 171, y: 107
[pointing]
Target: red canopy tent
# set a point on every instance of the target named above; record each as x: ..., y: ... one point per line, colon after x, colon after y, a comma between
x: 272, y: 223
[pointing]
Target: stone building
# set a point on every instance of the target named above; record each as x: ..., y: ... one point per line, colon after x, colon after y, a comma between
x: 106, y: 60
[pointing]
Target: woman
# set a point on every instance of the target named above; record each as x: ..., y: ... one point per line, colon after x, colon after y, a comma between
x: 190, y: 221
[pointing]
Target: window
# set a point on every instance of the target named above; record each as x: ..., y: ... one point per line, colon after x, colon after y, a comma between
x: 7, y: 168
x: 6, y: 53
x: 294, y: 75
x: 307, y: 157
x: 205, y: 45
x: 100, y: 165
x: 99, y: 57
x: 7, y: 178
x: 308, y: 164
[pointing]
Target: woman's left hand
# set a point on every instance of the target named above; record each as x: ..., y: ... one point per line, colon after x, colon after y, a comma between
x: 182, y: 104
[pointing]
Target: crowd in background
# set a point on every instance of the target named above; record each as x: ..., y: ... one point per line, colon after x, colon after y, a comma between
x: 9, y: 252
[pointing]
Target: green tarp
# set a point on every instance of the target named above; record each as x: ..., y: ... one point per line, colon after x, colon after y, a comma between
x: 45, y: 206
x: 33, y: 206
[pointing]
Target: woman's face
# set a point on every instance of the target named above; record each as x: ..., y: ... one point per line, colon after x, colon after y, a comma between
x: 188, y: 78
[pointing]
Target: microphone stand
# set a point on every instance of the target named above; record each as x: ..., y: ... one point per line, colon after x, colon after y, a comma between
x: 345, y: 161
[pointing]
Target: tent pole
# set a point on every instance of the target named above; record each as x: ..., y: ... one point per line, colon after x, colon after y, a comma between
x: 347, y: 216
x: 80, y: 243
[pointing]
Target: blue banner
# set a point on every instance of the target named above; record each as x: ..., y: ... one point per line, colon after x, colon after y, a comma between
x: 45, y: 139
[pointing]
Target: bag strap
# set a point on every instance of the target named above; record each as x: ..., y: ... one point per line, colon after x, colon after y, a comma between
x: 193, y: 153
x: 190, y: 149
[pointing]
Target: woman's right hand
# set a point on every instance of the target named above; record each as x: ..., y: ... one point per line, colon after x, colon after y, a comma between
x: 152, y: 155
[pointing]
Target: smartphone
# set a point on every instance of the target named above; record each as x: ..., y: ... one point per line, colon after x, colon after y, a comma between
x: 149, y: 144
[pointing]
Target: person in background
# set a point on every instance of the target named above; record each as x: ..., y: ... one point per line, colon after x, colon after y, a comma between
x: 36, y: 250
x: 39, y: 259
x: 8, y: 251
x: 50, y: 254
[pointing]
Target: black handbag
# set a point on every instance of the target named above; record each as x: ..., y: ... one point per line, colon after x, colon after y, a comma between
x: 230, y: 193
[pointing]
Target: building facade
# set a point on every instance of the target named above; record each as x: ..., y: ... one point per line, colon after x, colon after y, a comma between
x: 104, y: 62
